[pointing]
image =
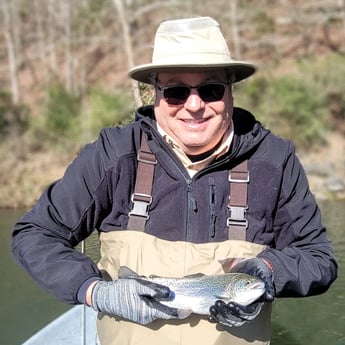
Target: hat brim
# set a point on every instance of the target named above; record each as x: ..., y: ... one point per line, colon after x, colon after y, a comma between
x: 143, y: 73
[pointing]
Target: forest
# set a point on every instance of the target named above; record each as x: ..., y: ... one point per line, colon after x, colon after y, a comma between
x: 64, y: 74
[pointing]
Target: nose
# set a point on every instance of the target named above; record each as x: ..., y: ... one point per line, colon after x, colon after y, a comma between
x: 194, y: 102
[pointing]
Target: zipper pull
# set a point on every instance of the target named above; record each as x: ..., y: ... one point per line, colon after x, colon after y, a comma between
x: 192, y: 202
x: 194, y: 205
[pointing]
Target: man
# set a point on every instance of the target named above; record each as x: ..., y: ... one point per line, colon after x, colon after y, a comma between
x: 194, y: 185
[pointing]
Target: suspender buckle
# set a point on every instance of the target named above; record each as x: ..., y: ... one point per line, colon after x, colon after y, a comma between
x: 147, y: 158
x: 239, y: 177
x: 232, y: 222
x: 141, y: 203
x: 237, y: 216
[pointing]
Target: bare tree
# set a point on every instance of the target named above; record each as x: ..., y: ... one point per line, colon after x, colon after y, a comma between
x: 235, y: 29
x: 341, y: 4
x: 38, y: 35
x: 39, y: 29
x: 65, y: 10
x: 11, y: 52
x: 128, y: 45
x: 52, y: 36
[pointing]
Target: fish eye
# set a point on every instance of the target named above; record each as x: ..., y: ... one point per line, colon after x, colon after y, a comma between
x: 245, y: 282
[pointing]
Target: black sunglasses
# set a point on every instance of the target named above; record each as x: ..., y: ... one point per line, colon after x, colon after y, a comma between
x: 208, y: 92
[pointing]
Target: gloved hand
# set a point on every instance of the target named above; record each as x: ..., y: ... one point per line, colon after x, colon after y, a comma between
x: 233, y: 314
x: 259, y: 268
x: 133, y: 299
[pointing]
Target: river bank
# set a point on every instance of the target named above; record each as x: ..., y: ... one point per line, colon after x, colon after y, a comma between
x: 325, y: 168
x: 24, y: 174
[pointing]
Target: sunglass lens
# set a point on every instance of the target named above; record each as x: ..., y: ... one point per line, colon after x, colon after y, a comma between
x: 176, y: 94
x: 211, y: 92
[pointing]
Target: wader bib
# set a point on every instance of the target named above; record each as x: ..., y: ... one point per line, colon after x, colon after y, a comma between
x: 147, y: 255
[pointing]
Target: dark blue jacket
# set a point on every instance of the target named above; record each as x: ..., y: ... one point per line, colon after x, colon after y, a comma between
x: 95, y: 193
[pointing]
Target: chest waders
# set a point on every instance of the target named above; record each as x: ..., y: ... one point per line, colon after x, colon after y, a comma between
x: 146, y: 255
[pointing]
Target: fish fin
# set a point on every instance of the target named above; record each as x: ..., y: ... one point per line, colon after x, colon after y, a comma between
x: 154, y: 276
x: 126, y: 272
x: 195, y: 275
x: 229, y: 263
x: 183, y: 313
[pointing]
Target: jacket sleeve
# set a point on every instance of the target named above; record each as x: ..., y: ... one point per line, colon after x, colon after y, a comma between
x: 302, y: 257
x: 67, y: 212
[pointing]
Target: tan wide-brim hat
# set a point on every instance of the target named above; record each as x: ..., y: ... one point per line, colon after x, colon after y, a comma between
x: 190, y: 43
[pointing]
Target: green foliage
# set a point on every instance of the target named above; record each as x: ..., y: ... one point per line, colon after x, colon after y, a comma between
x: 297, y: 106
x: 61, y: 112
x: 264, y: 22
x: 328, y: 75
x: 67, y: 121
x: 14, y: 118
x: 301, y: 107
x: 106, y: 110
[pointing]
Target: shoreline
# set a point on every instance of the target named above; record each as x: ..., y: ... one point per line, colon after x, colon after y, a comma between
x: 24, y: 173
x: 22, y: 181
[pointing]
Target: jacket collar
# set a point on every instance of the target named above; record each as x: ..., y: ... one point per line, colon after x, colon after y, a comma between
x: 248, y: 132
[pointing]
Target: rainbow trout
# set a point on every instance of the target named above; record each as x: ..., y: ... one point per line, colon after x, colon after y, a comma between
x: 197, y: 293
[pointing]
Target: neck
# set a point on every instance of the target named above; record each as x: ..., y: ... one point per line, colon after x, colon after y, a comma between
x: 201, y: 156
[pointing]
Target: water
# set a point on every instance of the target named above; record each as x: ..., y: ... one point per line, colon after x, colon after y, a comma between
x: 24, y: 307
x: 319, y: 320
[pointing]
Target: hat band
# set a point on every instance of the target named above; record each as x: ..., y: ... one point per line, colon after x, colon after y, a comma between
x: 194, y: 58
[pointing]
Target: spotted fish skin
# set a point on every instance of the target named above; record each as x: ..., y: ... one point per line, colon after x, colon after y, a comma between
x: 197, y: 293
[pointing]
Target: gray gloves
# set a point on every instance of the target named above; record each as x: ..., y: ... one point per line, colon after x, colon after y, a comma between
x: 233, y: 314
x: 133, y: 299
x: 262, y: 269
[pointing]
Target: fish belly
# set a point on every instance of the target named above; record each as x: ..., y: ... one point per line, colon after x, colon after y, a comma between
x: 197, y: 305
x: 189, y: 296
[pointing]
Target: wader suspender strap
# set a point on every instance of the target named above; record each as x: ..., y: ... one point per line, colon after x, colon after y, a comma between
x: 141, y: 198
x: 237, y: 222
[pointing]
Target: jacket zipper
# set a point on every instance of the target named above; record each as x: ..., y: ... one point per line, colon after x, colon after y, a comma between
x: 191, y: 209
x: 191, y: 201
x: 213, y: 216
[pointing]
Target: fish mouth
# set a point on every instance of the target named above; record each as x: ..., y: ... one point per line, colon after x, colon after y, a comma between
x: 171, y: 296
x: 252, y: 294
x: 258, y: 286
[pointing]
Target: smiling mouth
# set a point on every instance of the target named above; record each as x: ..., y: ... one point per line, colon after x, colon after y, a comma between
x: 194, y: 122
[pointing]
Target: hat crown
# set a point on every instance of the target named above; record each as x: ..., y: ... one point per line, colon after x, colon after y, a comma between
x: 190, y: 40
x: 192, y: 43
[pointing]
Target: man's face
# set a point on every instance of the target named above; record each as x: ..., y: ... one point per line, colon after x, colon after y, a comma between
x: 196, y: 125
